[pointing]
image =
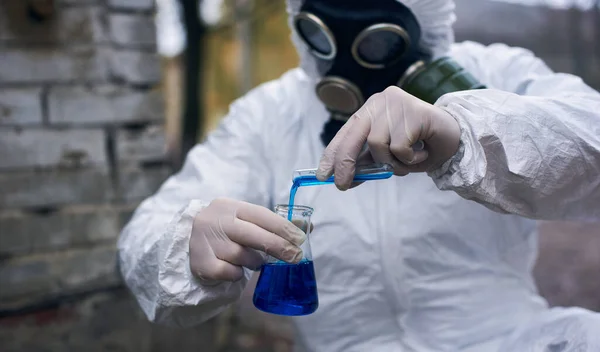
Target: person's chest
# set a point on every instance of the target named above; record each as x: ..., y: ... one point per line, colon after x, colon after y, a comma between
x: 380, y: 225
x: 374, y: 246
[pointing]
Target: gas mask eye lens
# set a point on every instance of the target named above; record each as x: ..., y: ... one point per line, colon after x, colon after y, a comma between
x: 316, y: 35
x: 380, y: 45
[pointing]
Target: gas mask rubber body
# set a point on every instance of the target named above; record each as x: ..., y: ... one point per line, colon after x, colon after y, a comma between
x: 363, y: 47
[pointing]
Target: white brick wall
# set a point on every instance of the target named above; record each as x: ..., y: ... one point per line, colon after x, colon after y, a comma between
x: 54, y: 187
x: 20, y: 106
x: 81, y: 142
x: 40, y: 276
x: 31, y: 148
x: 78, y: 25
x: 145, y: 145
x: 103, y: 104
x: 135, y: 66
x: 36, y: 65
x: 128, y: 29
x: 139, y: 5
x: 23, y: 232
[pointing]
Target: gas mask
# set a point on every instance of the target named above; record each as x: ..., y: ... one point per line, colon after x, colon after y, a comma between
x: 363, y: 47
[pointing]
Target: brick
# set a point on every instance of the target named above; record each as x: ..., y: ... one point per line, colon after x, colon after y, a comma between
x: 78, y: 2
x: 46, y: 148
x: 43, y: 64
x: 13, y: 241
x: 135, y: 67
x: 30, y: 279
x: 84, y: 269
x: 47, y: 188
x: 135, y: 184
x: 103, y: 104
x: 107, y: 321
x: 68, y: 25
x: 137, y: 5
x: 111, y: 321
x: 132, y: 30
x: 24, y: 278
x: 20, y: 106
x: 125, y: 216
x: 25, y: 232
x: 146, y: 145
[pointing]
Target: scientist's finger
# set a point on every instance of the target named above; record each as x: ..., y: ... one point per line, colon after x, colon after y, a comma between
x: 271, y: 222
x: 206, y: 266
x: 349, y: 149
x: 250, y: 235
x: 326, y: 164
x: 302, y: 225
x: 379, y: 137
x: 240, y: 256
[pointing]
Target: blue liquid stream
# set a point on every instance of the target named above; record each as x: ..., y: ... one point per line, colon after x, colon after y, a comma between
x: 287, y: 289
x: 291, y: 289
x: 310, y: 180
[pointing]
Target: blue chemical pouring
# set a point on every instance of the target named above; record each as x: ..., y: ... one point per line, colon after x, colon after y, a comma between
x: 309, y: 178
x: 287, y: 289
x: 291, y: 289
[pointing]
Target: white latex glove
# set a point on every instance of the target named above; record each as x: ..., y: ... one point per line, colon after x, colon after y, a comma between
x: 228, y: 235
x: 390, y: 123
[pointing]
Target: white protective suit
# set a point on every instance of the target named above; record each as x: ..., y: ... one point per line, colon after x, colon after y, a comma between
x: 400, y: 265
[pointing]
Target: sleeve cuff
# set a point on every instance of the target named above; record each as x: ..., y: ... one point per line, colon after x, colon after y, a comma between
x: 451, y: 165
x: 183, y: 298
x: 468, y: 166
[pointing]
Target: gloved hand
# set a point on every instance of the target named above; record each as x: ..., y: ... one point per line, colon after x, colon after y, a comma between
x: 390, y: 123
x: 228, y: 235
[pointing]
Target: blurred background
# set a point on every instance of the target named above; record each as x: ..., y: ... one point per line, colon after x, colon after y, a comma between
x: 99, y: 100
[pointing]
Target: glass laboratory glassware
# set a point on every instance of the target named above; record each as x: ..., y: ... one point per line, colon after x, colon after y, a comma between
x: 289, y: 289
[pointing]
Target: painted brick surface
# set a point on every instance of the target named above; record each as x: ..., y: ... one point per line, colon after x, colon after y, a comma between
x: 42, y: 64
x: 23, y: 232
x: 46, y: 148
x: 56, y: 187
x: 25, y: 278
x: 141, y: 145
x: 39, y: 277
x: 103, y: 104
x: 80, y: 146
x: 137, y: 183
x: 131, y: 30
x: 107, y: 321
x: 78, y: 25
x: 140, y: 5
x: 67, y: 3
x: 20, y: 106
x: 135, y: 66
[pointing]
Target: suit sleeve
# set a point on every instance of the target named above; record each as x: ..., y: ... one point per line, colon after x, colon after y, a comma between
x: 530, y: 145
x: 154, y: 246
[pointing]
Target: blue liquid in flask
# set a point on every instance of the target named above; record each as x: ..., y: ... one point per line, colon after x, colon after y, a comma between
x: 287, y: 289
x: 291, y: 289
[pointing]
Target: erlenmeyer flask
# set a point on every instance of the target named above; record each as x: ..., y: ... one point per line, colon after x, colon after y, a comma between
x: 289, y: 289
